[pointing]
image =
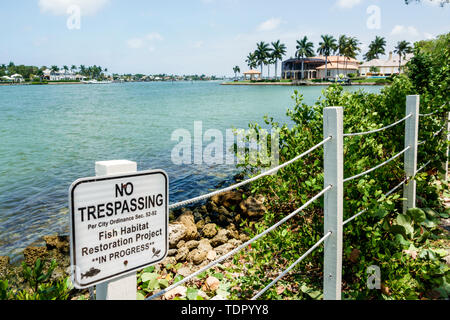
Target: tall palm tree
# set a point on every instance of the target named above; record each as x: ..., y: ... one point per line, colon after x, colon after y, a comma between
x: 73, y: 68
x: 402, y: 48
x: 278, y: 51
x: 54, y: 68
x: 376, y: 48
x: 83, y: 70
x: 236, y: 70
x: 262, y: 54
x: 341, y: 47
x: 351, y: 49
x: 305, y: 49
x: 251, y: 60
x: 326, y: 47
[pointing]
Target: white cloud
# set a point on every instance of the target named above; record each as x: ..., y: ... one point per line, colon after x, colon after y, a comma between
x: 135, y: 43
x: 270, y: 24
x: 59, y: 7
x: 154, y: 36
x: 348, y: 3
x: 400, y: 30
x: 197, y: 44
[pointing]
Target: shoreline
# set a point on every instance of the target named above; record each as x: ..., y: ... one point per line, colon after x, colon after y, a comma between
x: 297, y: 84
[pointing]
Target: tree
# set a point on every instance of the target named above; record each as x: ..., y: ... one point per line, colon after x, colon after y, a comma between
x: 326, y: 47
x: 251, y: 60
x: 262, y: 53
x: 351, y: 49
x: 305, y: 49
x: 54, y: 68
x: 236, y: 70
x: 376, y: 48
x: 402, y: 48
x: 73, y: 68
x: 278, y: 51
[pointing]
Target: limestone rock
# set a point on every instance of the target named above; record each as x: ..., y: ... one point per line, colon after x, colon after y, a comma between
x: 211, y: 255
x: 171, y: 252
x: 192, y: 244
x: 224, y: 249
x: 209, y: 230
x: 196, y: 256
x: 187, y: 220
x: 228, y: 199
x: 220, y: 238
x: 204, y: 245
x: 31, y: 254
x: 182, y: 254
x: 57, y: 242
x: 253, y: 207
x: 176, y: 233
x: 212, y: 283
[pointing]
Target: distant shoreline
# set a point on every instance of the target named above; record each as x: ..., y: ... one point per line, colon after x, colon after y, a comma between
x: 297, y: 84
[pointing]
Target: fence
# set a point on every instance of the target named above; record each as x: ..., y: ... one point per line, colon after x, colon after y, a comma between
x: 333, y: 192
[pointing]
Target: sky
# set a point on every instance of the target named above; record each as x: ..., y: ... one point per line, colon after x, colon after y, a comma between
x: 197, y: 36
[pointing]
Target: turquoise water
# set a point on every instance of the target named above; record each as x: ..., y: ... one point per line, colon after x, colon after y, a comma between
x: 52, y: 135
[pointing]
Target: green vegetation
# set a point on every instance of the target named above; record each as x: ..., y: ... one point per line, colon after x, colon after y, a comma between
x: 39, y: 284
x: 406, y: 247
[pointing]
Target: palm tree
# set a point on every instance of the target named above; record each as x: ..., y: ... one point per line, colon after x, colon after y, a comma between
x: 251, y: 60
x: 262, y: 54
x: 278, y: 51
x: 236, y: 70
x: 341, y: 47
x: 73, y: 67
x: 351, y: 49
x: 305, y: 49
x: 83, y: 70
x: 376, y: 48
x: 54, y: 68
x: 402, y: 48
x: 326, y: 47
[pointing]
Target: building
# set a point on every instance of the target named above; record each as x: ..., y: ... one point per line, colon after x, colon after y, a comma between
x: 314, y: 67
x: 252, y: 73
x: 59, y: 76
x: 385, y: 68
x: 338, y: 66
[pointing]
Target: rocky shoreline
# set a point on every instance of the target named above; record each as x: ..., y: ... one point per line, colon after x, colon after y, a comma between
x: 197, y: 235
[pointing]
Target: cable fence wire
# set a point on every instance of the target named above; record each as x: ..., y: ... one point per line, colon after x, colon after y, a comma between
x: 307, y: 253
x: 386, y: 194
x: 379, y: 129
x: 240, y: 247
x: 378, y: 166
x: 242, y: 183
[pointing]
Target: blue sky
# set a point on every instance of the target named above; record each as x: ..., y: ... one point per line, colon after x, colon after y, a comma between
x: 197, y: 36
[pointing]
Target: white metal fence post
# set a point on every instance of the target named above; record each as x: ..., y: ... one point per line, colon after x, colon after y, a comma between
x: 333, y: 201
x: 411, y: 140
x: 123, y: 288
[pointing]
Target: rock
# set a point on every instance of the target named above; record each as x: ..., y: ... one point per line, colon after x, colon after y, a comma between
x: 203, y: 210
x: 235, y: 242
x: 228, y: 199
x: 253, y: 207
x: 172, y: 252
x: 200, y: 224
x: 233, y: 233
x: 220, y: 238
x: 204, y: 245
x: 187, y: 220
x: 197, y: 216
x: 179, y: 291
x: 169, y: 260
x: 207, y: 220
x: 224, y: 249
x: 212, y: 283
x: 176, y: 233
x: 60, y: 243
x: 192, y: 244
x: 209, y: 230
x: 224, y: 212
x: 4, y: 263
x: 196, y: 256
x: 180, y: 244
x: 31, y: 254
x: 243, y: 237
x: 182, y: 254
x: 184, y: 271
x: 211, y: 255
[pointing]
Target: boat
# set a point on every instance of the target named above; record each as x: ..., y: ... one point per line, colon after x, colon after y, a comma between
x: 96, y: 82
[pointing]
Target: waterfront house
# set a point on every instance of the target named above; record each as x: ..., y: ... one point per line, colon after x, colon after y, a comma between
x: 337, y: 66
x: 314, y: 67
x: 59, y: 76
x: 17, y: 78
x: 380, y: 67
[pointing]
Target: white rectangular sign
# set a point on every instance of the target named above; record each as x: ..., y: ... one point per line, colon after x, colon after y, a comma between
x: 118, y: 224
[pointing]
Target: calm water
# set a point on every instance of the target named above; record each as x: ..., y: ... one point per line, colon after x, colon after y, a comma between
x: 52, y: 135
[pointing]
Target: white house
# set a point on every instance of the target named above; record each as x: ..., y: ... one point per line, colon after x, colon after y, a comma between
x: 58, y: 76
x: 384, y: 67
x: 17, y: 78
